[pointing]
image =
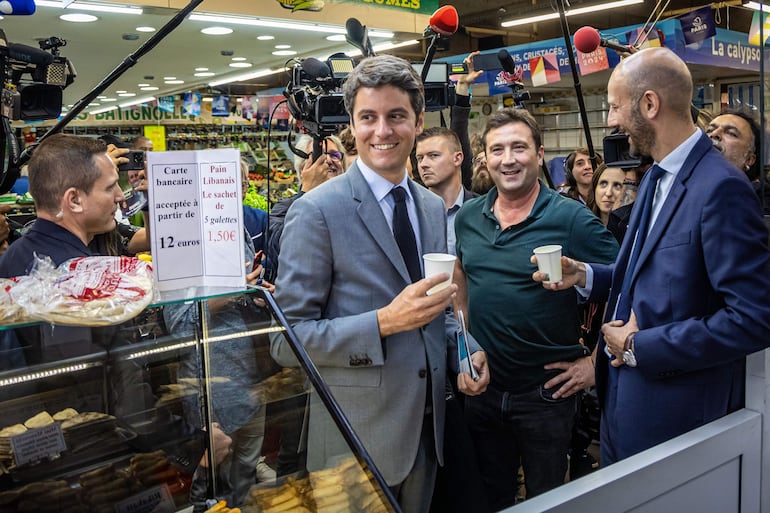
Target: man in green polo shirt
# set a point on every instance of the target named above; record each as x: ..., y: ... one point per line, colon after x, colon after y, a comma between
x: 522, y: 326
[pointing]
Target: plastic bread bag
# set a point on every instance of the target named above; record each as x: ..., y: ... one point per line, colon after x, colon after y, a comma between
x: 87, y: 291
x: 10, y: 311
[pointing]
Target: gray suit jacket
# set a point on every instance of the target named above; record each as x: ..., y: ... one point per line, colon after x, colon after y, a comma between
x: 340, y: 263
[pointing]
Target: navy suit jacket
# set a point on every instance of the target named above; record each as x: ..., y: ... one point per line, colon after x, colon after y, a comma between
x: 700, y: 298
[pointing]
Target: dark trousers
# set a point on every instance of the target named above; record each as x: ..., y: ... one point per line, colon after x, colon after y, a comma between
x: 525, y: 429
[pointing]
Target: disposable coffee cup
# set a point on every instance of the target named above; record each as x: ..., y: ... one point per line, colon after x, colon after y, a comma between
x: 437, y: 263
x: 549, y: 262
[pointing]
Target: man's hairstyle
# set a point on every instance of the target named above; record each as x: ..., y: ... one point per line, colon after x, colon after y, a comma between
x: 60, y: 162
x: 440, y: 131
x: 510, y: 115
x: 753, y: 171
x: 666, y: 74
x: 305, y: 143
x: 380, y: 71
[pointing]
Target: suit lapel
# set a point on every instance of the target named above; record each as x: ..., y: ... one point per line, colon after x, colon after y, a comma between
x: 430, y: 236
x: 674, y: 198
x: 371, y: 216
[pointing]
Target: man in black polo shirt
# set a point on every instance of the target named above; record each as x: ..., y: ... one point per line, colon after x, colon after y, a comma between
x: 520, y: 324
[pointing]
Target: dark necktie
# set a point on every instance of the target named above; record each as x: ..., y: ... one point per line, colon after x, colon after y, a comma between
x: 646, y: 196
x: 404, y: 234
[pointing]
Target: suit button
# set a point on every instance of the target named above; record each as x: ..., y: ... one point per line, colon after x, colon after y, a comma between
x: 422, y: 373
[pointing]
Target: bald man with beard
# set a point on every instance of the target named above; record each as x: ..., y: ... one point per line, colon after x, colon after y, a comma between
x: 671, y: 354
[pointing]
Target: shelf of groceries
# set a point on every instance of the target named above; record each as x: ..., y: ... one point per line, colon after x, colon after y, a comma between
x: 119, y: 417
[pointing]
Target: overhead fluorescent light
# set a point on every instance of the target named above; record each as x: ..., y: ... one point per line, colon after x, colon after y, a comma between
x: 383, y: 47
x: 82, y: 6
x: 288, y: 25
x: 246, y: 76
x: 103, y: 109
x: 571, y: 12
x: 139, y: 101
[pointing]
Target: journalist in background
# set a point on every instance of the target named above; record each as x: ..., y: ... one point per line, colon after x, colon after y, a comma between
x: 687, y: 295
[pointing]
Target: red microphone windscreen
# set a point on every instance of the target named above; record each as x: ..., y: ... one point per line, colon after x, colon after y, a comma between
x: 587, y: 39
x: 445, y: 21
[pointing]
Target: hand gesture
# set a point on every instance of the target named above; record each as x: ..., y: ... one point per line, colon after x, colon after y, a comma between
x: 413, y: 308
x: 577, y: 375
x: 464, y: 81
x: 572, y: 273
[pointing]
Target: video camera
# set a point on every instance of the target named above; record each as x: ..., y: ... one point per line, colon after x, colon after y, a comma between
x: 38, y: 96
x: 314, y: 94
x: 439, y: 90
x: 31, y: 85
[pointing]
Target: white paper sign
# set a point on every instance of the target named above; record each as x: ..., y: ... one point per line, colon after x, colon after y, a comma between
x: 196, y: 218
x: 38, y: 443
x: 153, y: 500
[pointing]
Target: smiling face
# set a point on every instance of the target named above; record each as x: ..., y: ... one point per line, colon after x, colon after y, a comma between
x: 609, y: 189
x: 513, y: 160
x: 626, y: 115
x: 732, y: 136
x: 385, y: 126
x: 582, y: 170
x: 438, y: 162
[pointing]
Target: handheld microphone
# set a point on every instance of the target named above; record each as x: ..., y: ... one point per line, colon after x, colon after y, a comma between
x: 17, y: 7
x: 356, y: 35
x: 444, y: 22
x: 587, y: 39
x: 28, y: 54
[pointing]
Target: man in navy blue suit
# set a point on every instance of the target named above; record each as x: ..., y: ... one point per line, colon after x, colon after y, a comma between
x: 694, y: 303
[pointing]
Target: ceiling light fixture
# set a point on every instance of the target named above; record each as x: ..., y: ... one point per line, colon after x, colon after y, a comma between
x: 571, y: 12
x: 145, y: 29
x: 201, y: 69
x: 265, y: 38
x: 282, y: 53
x: 174, y: 82
x: 204, y: 74
x: 138, y: 101
x: 82, y: 6
x: 126, y: 95
x: 336, y: 37
x: 268, y: 22
x: 282, y: 47
x: 149, y: 88
x: 238, y: 59
x: 246, y: 76
x: 217, y: 31
x: 103, y: 110
x: 383, y: 47
x: 78, y: 17
x: 240, y: 64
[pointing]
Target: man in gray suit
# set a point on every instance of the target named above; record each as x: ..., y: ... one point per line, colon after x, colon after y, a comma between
x: 379, y: 341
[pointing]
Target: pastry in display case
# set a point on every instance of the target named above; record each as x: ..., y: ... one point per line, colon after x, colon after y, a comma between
x: 181, y: 408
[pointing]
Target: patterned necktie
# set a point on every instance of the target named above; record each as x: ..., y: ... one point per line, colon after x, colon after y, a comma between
x: 647, y: 195
x: 404, y: 234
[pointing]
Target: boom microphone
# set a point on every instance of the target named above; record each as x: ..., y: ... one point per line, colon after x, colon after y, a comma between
x: 28, y: 54
x: 506, y: 61
x: 587, y: 39
x: 356, y: 35
x: 444, y: 22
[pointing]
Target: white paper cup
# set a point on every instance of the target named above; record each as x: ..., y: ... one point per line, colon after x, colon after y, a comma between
x: 549, y: 261
x: 437, y: 263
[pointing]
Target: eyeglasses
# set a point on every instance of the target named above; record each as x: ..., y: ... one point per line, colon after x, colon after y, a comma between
x: 335, y: 155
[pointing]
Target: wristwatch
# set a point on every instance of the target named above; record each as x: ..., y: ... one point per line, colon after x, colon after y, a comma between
x: 629, y: 358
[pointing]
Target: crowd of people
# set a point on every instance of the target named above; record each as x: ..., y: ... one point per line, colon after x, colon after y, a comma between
x: 345, y: 256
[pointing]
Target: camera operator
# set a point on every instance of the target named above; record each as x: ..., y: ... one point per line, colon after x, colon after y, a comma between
x: 312, y: 174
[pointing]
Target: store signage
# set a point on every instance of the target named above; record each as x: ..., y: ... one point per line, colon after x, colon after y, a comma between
x: 153, y: 500
x: 37, y: 444
x: 196, y: 218
x: 414, y: 6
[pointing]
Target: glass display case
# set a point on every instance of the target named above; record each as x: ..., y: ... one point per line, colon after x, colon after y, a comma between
x: 175, y: 410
